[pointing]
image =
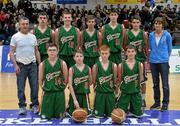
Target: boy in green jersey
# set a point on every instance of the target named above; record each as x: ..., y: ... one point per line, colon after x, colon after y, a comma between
x: 130, y: 75
x: 114, y: 37
x: 104, y: 75
x: 44, y: 35
x: 91, y: 40
x: 139, y: 39
x: 79, y: 83
x: 67, y: 37
x: 53, y: 76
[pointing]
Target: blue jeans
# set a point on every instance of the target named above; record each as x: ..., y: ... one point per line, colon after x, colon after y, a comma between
x: 27, y: 71
x: 163, y: 70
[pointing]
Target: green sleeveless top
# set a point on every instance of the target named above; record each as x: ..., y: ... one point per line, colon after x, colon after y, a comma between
x: 81, y: 82
x: 130, y: 78
x: 113, y: 38
x: 90, y: 44
x: 53, y: 76
x: 105, y: 78
x: 67, y: 41
x: 43, y: 39
x: 138, y: 42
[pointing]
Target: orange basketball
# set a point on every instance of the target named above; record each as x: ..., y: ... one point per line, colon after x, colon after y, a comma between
x: 79, y: 115
x: 118, y: 115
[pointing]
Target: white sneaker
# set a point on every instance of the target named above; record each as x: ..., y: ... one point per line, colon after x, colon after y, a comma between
x: 35, y: 109
x: 22, y: 111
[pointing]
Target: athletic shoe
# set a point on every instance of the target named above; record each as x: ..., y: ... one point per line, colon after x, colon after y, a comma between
x: 134, y: 115
x: 22, y: 111
x: 155, y: 106
x: 35, y: 109
x: 164, y: 108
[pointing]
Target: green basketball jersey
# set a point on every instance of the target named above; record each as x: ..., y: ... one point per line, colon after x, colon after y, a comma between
x: 130, y: 78
x: 113, y: 37
x: 138, y: 42
x: 105, y: 78
x: 81, y: 80
x: 90, y: 44
x: 43, y: 39
x: 67, y: 41
x: 53, y: 76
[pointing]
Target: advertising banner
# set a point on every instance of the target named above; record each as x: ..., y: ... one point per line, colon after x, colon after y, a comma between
x: 124, y: 1
x: 71, y: 1
x: 175, y: 60
x: 6, y: 64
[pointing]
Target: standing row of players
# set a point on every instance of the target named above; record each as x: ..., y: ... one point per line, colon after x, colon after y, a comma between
x: 104, y: 69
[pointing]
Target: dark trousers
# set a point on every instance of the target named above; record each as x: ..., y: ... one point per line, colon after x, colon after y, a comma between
x: 161, y: 69
x: 27, y: 71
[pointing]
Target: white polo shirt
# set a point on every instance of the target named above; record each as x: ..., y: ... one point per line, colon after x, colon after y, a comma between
x: 25, y: 47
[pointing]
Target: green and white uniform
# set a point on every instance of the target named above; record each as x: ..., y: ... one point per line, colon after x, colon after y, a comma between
x: 104, y: 90
x: 43, y: 39
x: 90, y: 46
x: 130, y: 89
x: 81, y: 86
x: 53, y: 103
x: 138, y: 43
x: 67, y: 44
x: 114, y: 39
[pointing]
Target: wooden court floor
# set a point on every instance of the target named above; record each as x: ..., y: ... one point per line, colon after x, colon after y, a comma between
x: 8, y: 92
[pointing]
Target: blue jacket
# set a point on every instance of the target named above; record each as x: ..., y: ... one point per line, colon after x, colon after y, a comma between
x: 160, y: 53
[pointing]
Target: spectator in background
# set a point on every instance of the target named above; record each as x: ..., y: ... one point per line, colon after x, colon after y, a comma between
x: 28, y: 9
x: 176, y: 33
x: 35, y: 12
x: 10, y: 6
x: 1, y: 4
x: 25, y: 46
x: 20, y: 4
x: 160, y: 42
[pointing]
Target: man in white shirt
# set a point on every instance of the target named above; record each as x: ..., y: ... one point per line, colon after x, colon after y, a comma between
x: 25, y: 46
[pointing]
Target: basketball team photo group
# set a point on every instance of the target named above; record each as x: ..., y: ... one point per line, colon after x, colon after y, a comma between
x: 89, y: 62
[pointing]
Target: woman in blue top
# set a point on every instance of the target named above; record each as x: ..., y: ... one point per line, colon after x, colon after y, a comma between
x: 160, y: 42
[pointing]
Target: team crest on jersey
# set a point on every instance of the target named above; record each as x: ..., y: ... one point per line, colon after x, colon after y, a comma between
x: 105, y: 79
x: 113, y: 36
x: 53, y: 75
x: 128, y: 79
x: 79, y: 80
x: 90, y: 44
x: 43, y: 40
x: 65, y: 39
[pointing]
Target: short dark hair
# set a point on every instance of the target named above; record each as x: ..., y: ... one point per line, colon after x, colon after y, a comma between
x: 79, y: 50
x: 52, y: 45
x: 113, y: 10
x: 43, y: 13
x: 67, y: 12
x: 159, y: 20
x: 23, y: 18
x: 136, y: 17
x: 90, y: 17
x: 130, y: 47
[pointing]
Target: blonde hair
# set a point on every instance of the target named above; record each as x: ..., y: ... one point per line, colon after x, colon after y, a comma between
x: 104, y: 48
